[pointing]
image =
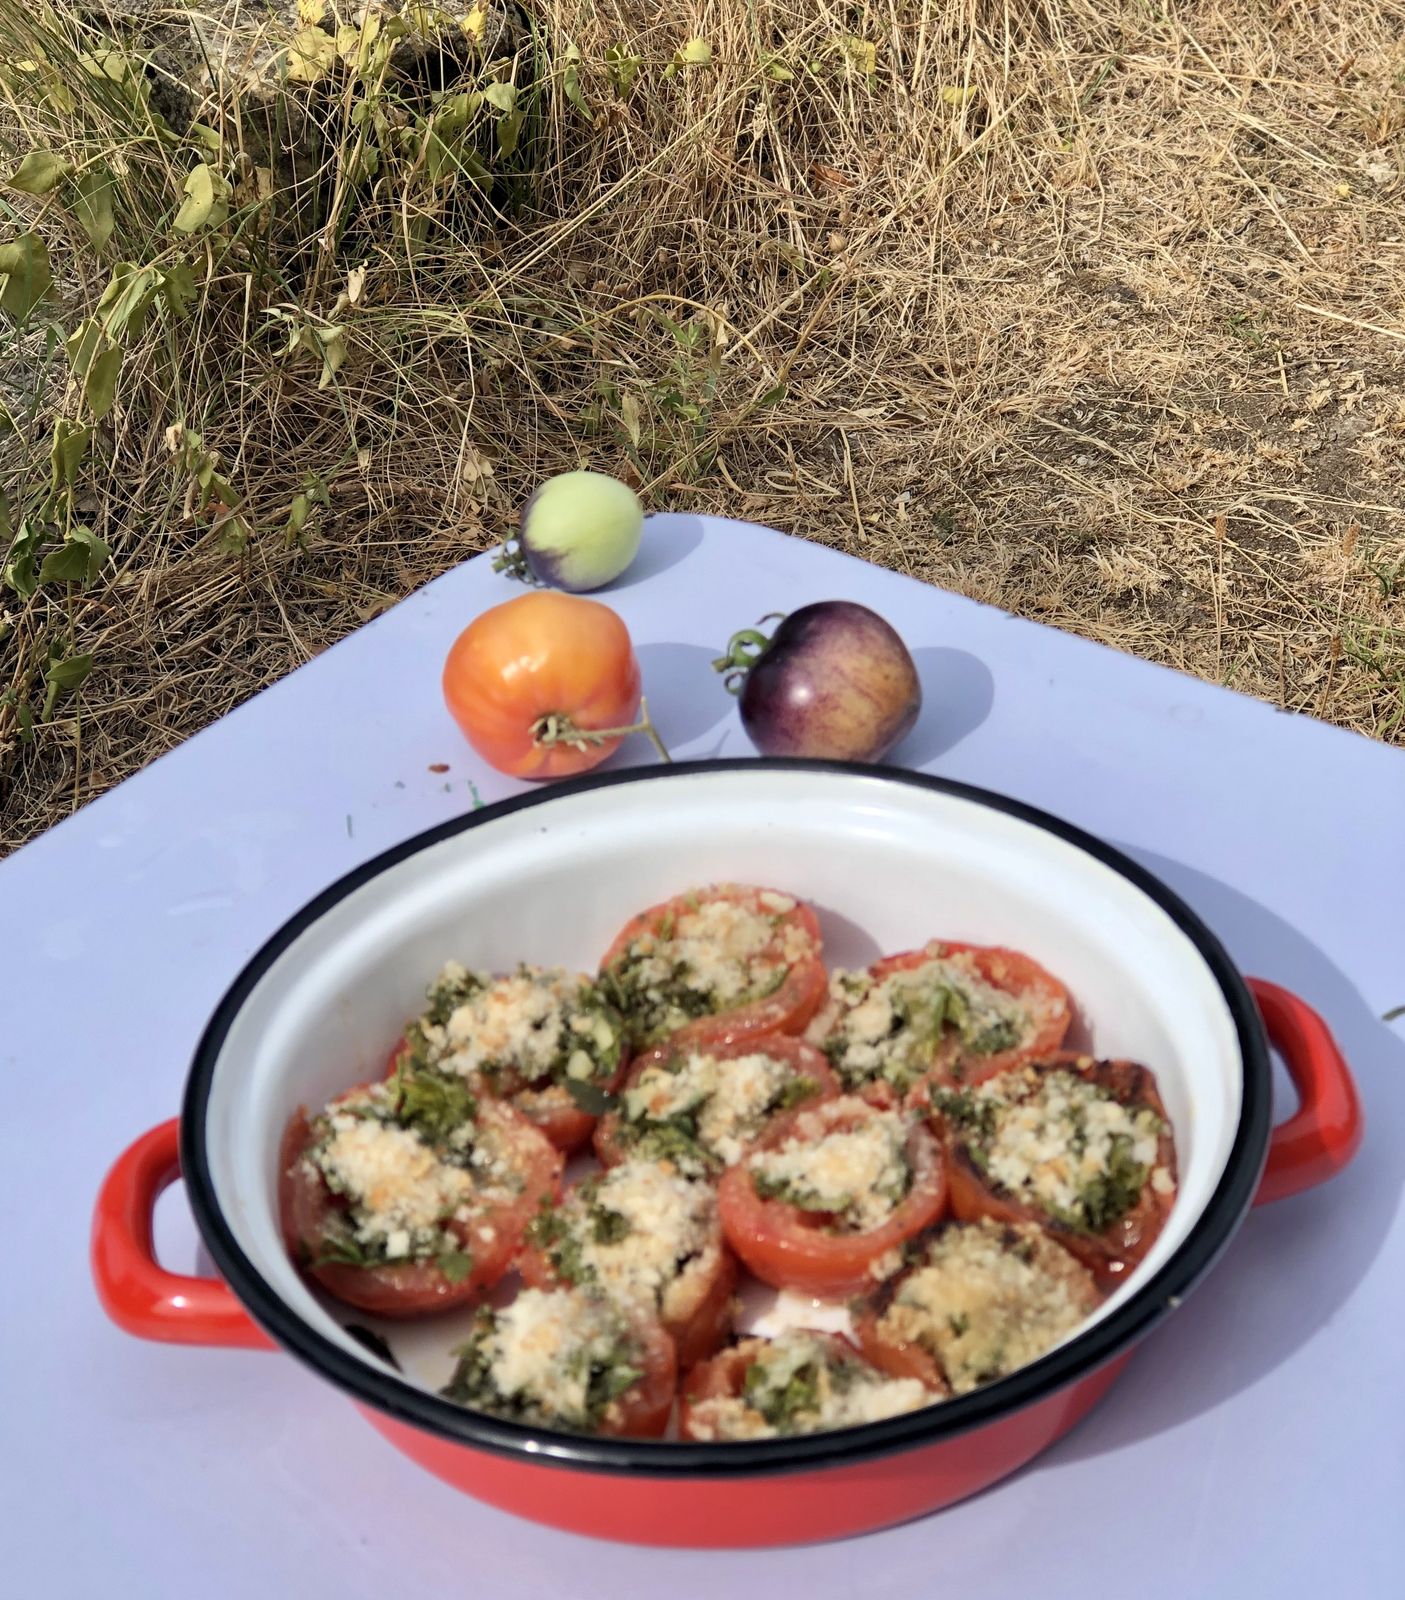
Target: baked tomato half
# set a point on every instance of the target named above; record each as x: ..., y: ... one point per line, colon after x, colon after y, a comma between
x: 977, y: 1301
x: 569, y: 1358
x: 825, y: 1199
x: 545, y: 1040
x: 716, y: 965
x: 643, y: 1234
x: 532, y: 683
x: 799, y: 1382
x: 1082, y: 1148
x: 410, y: 1196
x: 701, y: 1106
x: 959, y: 1012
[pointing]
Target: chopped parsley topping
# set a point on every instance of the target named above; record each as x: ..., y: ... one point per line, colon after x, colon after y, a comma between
x: 631, y: 1232
x: 409, y: 1164
x: 1057, y: 1141
x: 558, y: 1357
x: 700, y: 1111
x: 704, y: 957
x: 897, y: 1028
x: 804, y: 1382
x: 986, y: 1297
x: 844, y: 1160
x: 532, y: 1031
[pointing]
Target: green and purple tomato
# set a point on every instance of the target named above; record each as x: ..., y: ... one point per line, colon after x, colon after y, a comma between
x: 580, y: 531
x: 833, y: 682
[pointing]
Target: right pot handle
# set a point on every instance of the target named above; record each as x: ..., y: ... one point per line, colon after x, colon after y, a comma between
x: 135, y: 1289
x: 1324, y: 1133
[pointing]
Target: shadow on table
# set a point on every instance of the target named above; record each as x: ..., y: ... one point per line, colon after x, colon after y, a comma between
x: 1294, y: 1262
x: 957, y: 694
x: 686, y: 697
x: 669, y: 537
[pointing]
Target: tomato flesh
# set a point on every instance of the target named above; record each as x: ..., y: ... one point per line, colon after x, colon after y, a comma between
x: 793, y: 1248
x: 612, y: 1132
x: 492, y: 1236
x: 1042, y: 996
x: 897, y: 1360
x: 1112, y: 1253
x: 785, y: 1010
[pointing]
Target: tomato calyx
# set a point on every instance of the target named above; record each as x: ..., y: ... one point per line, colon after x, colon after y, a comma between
x: 744, y: 649
x: 557, y: 727
x: 511, y: 561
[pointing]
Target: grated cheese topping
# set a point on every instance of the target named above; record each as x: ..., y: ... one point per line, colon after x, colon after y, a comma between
x: 1057, y: 1141
x: 559, y: 1357
x: 707, y: 957
x: 712, y: 1107
x: 633, y: 1232
x: 895, y: 1027
x: 803, y: 1382
x: 843, y: 1158
x: 538, y: 1025
x: 407, y: 1176
x: 985, y: 1299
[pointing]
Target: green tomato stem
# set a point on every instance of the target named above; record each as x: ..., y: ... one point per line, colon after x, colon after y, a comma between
x: 513, y: 564
x: 557, y: 728
x: 744, y: 650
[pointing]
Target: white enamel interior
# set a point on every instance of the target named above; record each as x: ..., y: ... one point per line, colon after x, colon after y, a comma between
x: 887, y: 865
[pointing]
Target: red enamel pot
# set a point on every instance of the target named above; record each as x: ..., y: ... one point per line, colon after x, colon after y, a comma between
x: 889, y: 860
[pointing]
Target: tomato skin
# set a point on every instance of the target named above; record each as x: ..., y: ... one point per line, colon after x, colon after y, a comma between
x: 804, y: 1058
x: 1109, y: 1255
x: 785, y: 1247
x: 702, y: 1325
x: 1017, y: 974
x: 416, y: 1288
x: 786, y: 1011
x: 557, y: 1117
x: 643, y: 1410
x: 897, y: 1360
x: 723, y: 1377
x: 710, y: 1320
x: 538, y: 655
x: 551, y: 1111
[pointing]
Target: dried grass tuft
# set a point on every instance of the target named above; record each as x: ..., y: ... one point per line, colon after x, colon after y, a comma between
x: 1092, y: 311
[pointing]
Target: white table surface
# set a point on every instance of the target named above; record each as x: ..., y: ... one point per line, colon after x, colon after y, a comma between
x: 1256, y: 1445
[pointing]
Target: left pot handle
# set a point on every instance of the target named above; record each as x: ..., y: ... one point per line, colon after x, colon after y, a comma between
x: 138, y: 1293
x: 1324, y: 1133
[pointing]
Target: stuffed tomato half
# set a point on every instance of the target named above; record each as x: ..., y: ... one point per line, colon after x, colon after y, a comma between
x: 1082, y: 1148
x: 824, y: 1202
x: 956, y: 1012
x: 411, y: 1195
x: 975, y: 1302
x: 802, y: 1381
x: 543, y: 1039
x: 701, y: 1106
x: 644, y: 1234
x: 574, y: 1359
x: 715, y: 965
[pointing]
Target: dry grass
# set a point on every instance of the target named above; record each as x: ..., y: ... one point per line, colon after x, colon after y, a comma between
x: 1092, y: 311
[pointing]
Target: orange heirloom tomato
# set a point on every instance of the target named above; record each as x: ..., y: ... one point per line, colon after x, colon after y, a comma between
x: 542, y: 655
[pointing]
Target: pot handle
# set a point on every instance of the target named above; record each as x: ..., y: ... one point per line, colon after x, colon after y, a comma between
x: 138, y: 1294
x: 1324, y: 1133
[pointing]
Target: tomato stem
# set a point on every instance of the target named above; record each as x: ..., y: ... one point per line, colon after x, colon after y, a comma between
x: 557, y: 728
x: 511, y: 562
x: 744, y: 650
